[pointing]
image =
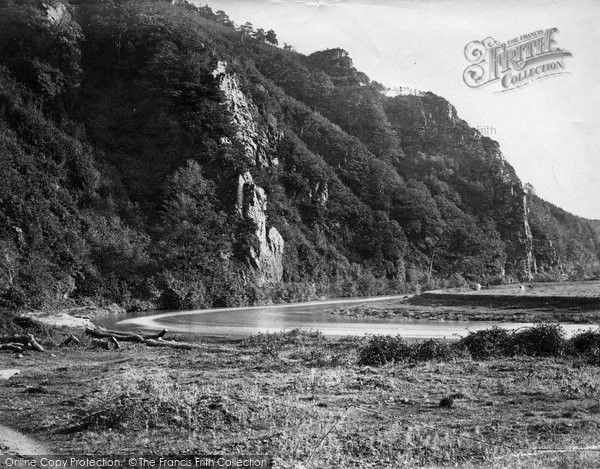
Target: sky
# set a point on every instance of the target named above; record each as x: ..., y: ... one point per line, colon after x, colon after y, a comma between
x: 549, y: 130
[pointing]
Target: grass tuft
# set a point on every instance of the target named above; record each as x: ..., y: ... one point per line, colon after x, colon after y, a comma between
x: 283, y: 338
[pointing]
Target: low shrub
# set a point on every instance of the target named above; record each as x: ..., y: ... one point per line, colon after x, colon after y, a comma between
x: 488, y: 343
x: 432, y: 349
x: 270, y: 350
x: 541, y: 340
x: 384, y: 349
x: 12, y: 323
x: 586, y: 344
x: 585, y: 341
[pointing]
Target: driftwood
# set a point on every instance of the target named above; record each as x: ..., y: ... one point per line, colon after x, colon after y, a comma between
x: 173, y: 344
x: 158, y: 335
x: 34, y: 344
x: 110, y: 344
x: 26, y: 340
x: 70, y: 339
x: 151, y: 340
x: 124, y: 336
x: 101, y: 338
x: 113, y: 344
x: 12, y: 346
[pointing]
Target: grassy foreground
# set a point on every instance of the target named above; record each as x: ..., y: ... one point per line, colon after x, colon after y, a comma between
x: 306, y: 400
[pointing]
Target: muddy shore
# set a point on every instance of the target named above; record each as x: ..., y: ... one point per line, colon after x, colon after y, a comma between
x: 506, y: 304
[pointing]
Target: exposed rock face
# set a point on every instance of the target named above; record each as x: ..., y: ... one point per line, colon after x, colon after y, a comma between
x: 258, y: 140
x: 55, y: 12
x: 251, y: 205
x: 530, y: 263
x: 553, y: 261
x: 272, y: 256
x: 244, y: 180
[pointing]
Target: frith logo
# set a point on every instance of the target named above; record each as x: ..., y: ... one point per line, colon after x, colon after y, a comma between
x: 514, y: 63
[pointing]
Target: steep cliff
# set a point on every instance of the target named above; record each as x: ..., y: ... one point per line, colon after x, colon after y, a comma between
x: 257, y: 140
x: 251, y: 201
x: 530, y: 262
x: 267, y: 258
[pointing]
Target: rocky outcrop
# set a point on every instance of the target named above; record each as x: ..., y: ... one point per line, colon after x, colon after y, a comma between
x: 257, y: 140
x: 335, y: 62
x: 55, y: 12
x: 530, y: 263
x: 267, y: 257
x: 551, y: 261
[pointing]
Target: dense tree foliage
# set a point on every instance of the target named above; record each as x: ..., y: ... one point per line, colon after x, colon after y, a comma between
x: 120, y: 161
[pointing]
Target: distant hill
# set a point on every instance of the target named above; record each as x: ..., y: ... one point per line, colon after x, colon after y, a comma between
x: 159, y: 156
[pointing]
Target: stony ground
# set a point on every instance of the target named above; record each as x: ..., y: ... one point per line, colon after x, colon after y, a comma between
x: 303, y: 399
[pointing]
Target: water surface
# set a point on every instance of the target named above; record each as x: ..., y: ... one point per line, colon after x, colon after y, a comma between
x: 313, y: 315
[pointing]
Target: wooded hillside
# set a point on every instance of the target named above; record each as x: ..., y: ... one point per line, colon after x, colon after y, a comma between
x: 159, y: 156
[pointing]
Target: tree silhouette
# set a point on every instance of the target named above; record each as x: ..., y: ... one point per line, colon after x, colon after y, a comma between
x: 271, y: 37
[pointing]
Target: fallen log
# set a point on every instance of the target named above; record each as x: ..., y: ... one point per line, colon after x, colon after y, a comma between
x: 124, y: 336
x: 114, y: 333
x: 34, y: 345
x: 159, y: 335
x: 12, y: 346
x: 173, y: 344
x: 22, y: 339
x: 26, y: 340
x: 152, y: 340
x: 114, y: 343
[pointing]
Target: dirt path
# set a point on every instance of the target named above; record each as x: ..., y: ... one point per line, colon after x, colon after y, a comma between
x: 12, y: 442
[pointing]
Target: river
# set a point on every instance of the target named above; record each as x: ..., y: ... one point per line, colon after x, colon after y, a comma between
x: 312, y: 315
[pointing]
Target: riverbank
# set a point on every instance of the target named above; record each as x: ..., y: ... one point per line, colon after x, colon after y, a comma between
x: 304, y: 399
x: 578, y: 303
x: 74, y: 316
